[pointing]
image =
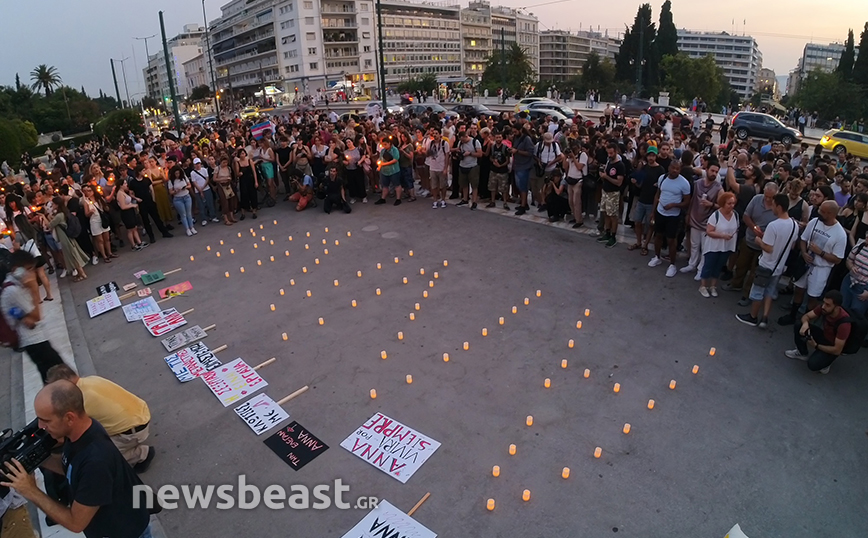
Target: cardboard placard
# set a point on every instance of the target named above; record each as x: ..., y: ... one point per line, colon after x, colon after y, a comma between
x: 137, y: 310
x: 387, y: 520
x: 107, y: 288
x: 233, y: 382
x: 390, y: 446
x: 130, y: 286
x: 261, y: 413
x: 103, y: 303
x: 295, y: 445
x: 144, y: 292
x: 191, y: 362
x: 177, y: 289
x: 181, y: 339
x: 163, y: 322
x: 150, y: 278
x: 138, y: 274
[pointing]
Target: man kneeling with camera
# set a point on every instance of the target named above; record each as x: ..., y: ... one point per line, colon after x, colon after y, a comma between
x: 101, y: 481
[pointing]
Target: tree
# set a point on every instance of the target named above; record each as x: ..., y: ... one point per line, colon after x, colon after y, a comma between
x: 17, y: 82
x: 598, y: 74
x: 45, y: 78
x: 860, y: 66
x: 10, y: 145
x: 687, y: 77
x: 667, y: 34
x: 200, y: 93
x: 116, y: 124
x: 830, y: 96
x: 845, y: 65
x: 640, y: 36
x: 425, y: 83
x: 515, y: 70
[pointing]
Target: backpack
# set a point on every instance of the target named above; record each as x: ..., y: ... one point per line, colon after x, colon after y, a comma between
x: 858, y: 333
x: 8, y: 335
x: 73, y: 226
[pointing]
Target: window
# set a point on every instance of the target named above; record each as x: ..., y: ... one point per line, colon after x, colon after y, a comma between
x: 366, y: 21
x: 314, y: 66
x: 308, y: 21
x: 364, y: 6
x: 311, y: 51
x: 367, y: 48
x: 367, y: 63
x: 472, y: 42
x: 310, y: 36
x: 308, y: 4
x: 366, y: 35
x: 292, y: 68
x: 288, y: 39
x: 290, y: 54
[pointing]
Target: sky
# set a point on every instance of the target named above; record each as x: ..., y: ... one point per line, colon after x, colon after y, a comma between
x: 80, y: 37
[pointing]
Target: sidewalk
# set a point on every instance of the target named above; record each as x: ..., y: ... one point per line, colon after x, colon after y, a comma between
x: 57, y: 319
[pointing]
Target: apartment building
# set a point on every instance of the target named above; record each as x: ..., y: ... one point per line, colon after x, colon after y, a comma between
x: 563, y: 54
x: 476, y: 39
x: 815, y: 56
x: 738, y: 56
x: 182, y: 48
x: 516, y: 27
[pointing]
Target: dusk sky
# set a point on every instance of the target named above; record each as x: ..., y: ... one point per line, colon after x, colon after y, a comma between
x: 79, y: 37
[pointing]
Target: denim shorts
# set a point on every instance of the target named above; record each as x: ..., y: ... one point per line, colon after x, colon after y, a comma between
x: 643, y: 213
x: 522, y: 179
x: 407, y: 178
x: 393, y: 180
x: 758, y: 293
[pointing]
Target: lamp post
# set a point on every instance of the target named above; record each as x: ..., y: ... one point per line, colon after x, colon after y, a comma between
x: 210, y: 60
x: 382, y: 73
x: 147, y: 57
x: 124, y: 73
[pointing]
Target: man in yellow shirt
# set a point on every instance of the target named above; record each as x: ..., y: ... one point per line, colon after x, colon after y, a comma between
x: 125, y: 416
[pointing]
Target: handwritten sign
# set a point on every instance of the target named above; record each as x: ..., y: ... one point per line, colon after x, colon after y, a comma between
x: 233, y: 381
x: 130, y: 286
x: 107, y: 288
x: 295, y: 445
x: 387, y: 520
x: 163, y: 322
x: 177, y: 289
x: 191, y: 362
x: 261, y: 413
x: 103, y: 303
x: 138, y: 274
x: 135, y: 311
x: 144, y: 292
x: 391, y: 447
x: 181, y: 339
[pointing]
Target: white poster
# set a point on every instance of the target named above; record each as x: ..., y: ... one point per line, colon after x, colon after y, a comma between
x: 233, y: 381
x: 391, y: 447
x: 163, y: 322
x: 261, y: 413
x: 191, y: 362
x: 137, y: 310
x: 103, y: 303
x: 387, y: 520
x: 181, y: 339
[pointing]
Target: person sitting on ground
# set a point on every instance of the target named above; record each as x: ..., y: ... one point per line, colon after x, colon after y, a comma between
x: 827, y: 342
x: 557, y: 203
x: 304, y: 183
x: 335, y: 194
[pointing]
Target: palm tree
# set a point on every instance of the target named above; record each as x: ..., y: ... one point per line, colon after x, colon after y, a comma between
x: 45, y: 78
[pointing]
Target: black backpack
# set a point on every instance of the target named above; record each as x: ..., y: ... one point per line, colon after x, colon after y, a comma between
x: 858, y: 333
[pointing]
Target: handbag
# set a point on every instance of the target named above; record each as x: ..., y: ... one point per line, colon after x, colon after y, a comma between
x: 763, y: 275
x: 796, y: 264
x: 105, y: 221
x: 227, y: 190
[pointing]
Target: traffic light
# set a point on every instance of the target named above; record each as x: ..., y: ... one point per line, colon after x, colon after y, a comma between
x: 296, y: 89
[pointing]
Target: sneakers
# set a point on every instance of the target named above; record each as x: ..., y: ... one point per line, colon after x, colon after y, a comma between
x: 825, y: 370
x: 62, y: 274
x: 381, y: 201
x: 462, y: 202
x: 521, y: 211
x: 787, y: 319
x: 655, y: 261
x: 490, y: 205
x: 797, y: 355
x: 729, y: 287
x: 611, y: 242
x: 704, y: 292
x: 671, y: 271
x: 397, y: 201
x: 95, y: 260
x: 763, y: 323
x: 744, y: 301
x: 443, y: 204
x: 713, y: 291
x: 434, y: 205
x: 137, y: 248
x: 687, y: 269
x: 747, y: 319
x: 365, y: 200
x: 204, y: 222
x: 194, y: 231
x: 189, y: 232
x: 604, y: 238
x: 697, y: 277
x: 144, y: 244
x: 215, y: 219
x: 473, y: 206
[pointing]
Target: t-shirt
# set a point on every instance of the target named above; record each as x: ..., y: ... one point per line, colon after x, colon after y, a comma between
x: 471, y: 146
x: 646, y: 181
x: 829, y: 332
x: 776, y: 235
x: 613, y: 170
x: 761, y: 216
x: 500, y: 158
x: 200, y: 177
x: 16, y: 296
x: 141, y: 188
x: 832, y: 239
x: 117, y: 409
x: 672, y: 191
x: 523, y: 162
x: 698, y: 214
x: 435, y: 153
x: 98, y: 475
x: 389, y: 155
x: 547, y: 155
x: 721, y: 225
x: 282, y: 155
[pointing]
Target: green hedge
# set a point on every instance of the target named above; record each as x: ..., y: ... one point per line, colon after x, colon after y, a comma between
x: 116, y: 124
x: 79, y: 140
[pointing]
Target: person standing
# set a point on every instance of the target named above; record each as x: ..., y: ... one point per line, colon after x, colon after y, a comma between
x: 248, y: 183
x: 144, y: 191
x: 612, y: 175
x: 522, y: 165
x: 390, y: 170
x: 94, y: 209
x: 703, y: 203
x: 776, y: 241
x: 673, y: 196
x: 20, y: 302
x: 179, y: 188
x: 436, y: 150
x: 721, y: 237
x: 73, y: 256
x: 645, y: 179
x: 470, y: 150
x: 201, y: 179
x: 576, y: 167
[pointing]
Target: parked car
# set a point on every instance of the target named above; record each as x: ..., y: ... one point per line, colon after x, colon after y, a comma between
x: 375, y: 107
x: 543, y: 105
x: 420, y: 108
x: 475, y: 111
x: 541, y: 113
x: 358, y: 118
x: 635, y: 107
x: 522, y: 105
x: 761, y: 125
x: 673, y: 112
x: 841, y: 142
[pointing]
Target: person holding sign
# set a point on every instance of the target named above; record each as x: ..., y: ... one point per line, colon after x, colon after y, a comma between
x: 124, y: 415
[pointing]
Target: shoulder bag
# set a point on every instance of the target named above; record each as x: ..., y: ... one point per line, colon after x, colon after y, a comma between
x: 763, y: 276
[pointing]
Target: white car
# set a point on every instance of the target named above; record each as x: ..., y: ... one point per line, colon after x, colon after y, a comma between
x: 522, y: 105
x: 539, y: 113
x: 376, y: 107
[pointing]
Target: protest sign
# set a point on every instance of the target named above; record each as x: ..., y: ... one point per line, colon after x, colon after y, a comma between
x: 233, y: 381
x: 295, y: 445
x: 144, y: 292
x: 163, y: 322
x: 261, y: 413
x: 390, y: 446
x: 181, y: 339
x: 387, y: 520
x: 107, y: 288
x: 191, y: 362
x: 138, y: 274
x: 103, y: 303
x: 177, y: 289
x: 135, y: 311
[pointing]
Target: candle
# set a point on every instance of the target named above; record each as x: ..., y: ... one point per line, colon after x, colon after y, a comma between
x: 425, y: 294
x: 326, y: 229
x: 626, y: 428
x: 500, y: 320
x: 564, y: 363
x: 284, y: 336
x: 484, y: 331
x: 598, y: 452
x: 695, y: 368
x: 227, y: 274
x: 291, y: 282
x: 272, y: 307
x: 436, y: 275
x: 321, y: 321
x: 571, y: 343
x: 526, y: 301
x: 466, y: 346
x: 587, y: 373
x: 712, y: 351
x: 578, y: 325
x: 281, y: 291
x: 354, y: 303
x: 525, y: 495
x: 547, y: 383
x: 337, y: 243
x: 565, y: 473
x: 409, y: 379
x: 286, y: 252
x: 400, y: 335
x: 316, y: 261
x: 405, y: 280
x: 383, y: 354
x: 650, y: 404
x: 445, y: 263
x: 538, y: 293
x: 218, y: 254
x: 396, y: 260
x: 617, y: 387
x: 378, y: 291
x: 446, y: 357
x: 495, y: 471
x: 304, y: 269
x: 373, y: 394
x: 231, y: 251
x: 411, y: 253
x: 672, y: 384
x: 412, y: 316
x: 490, y: 504
x: 208, y: 248
x: 308, y: 293
x: 587, y: 312
x: 242, y: 270
x: 529, y: 420
x: 416, y: 306
x: 512, y: 450
x: 192, y: 259
x: 349, y: 234
x: 379, y: 265
x: 258, y: 262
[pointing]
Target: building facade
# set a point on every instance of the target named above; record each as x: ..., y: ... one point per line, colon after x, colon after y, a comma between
x: 815, y: 56
x: 196, y: 71
x: 516, y: 27
x: 563, y: 54
x: 476, y: 45
x: 767, y: 83
x: 244, y: 46
x: 182, y: 48
x: 738, y: 56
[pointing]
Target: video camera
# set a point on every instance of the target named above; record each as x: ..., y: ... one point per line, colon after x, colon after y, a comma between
x: 30, y: 446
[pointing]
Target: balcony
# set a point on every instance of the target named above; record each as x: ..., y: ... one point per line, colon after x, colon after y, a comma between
x: 338, y: 23
x: 331, y: 37
x: 339, y: 8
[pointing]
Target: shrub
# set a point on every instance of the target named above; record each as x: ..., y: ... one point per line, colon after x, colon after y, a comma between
x: 115, y: 125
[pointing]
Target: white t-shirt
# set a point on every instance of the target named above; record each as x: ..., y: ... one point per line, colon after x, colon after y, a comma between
x: 832, y: 239
x: 200, y: 177
x: 672, y: 191
x: 776, y: 235
x: 723, y: 226
x: 547, y: 154
x: 574, y: 172
x: 435, y: 153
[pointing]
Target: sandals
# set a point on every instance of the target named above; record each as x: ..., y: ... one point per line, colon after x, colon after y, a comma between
x: 634, y: 246
x: 644, y: 251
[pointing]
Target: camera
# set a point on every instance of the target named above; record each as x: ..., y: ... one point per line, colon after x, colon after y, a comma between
x: 30, y: 446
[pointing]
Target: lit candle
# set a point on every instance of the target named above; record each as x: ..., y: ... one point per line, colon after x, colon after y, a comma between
x: 587, y: 312
x: 400, y: 335
x: 411, y: 253
x: 446, y: 357
x: 445, y: 263
x: 405, y: 280
x: 227, y: 274
x: 712, y: 351
x: 617, y: 387
x: 587, y: 373
x: 514, y: 309
x: 409, y: 379
x: 626, y: 428
x: 281, y: 291
x: 383, y: 354
x: 285, y: 337
x: 272, y: 307
x: 564, y: 363
x: 379, y: 265
x: 495, y: 471
x: 484, y: 331
x: 304, y: 269
x: 565, y: 473
x: 490, y: 504
x: 378, y: 291
x: 695, y: 368
x: 416, y: 306
x: 308, y: 293
x: 412, y: 316
x: 291, y: 282
x: 218, y: 254
x: 529, y: 420
x: 525, y: 495
x: 208, y: 248
x: 425, y: 294
x: 242, y: 269
x: 571, y: 343
x: 672, y: 384
x: 598, y: 452
x: 650, y: 404
x: 354, y: 303
x: 512, y: 450
x: 316, y: 261
x: 500, y: 320
x: 396, y: 260
x: 526, y: 301
x: 373, y: 394
x: 436, y: 275
x: 547, y: 383
x: 192, y: 259
x: 538, y: 293
x: 466, y: 346
x: 321, y: 321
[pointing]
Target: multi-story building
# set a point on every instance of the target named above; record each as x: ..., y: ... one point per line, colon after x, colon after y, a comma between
x: 196, y: 71
x: 738, y: 56
x: 476, y: 43
x: 244, y: 47
x: 563, y: 54
x: 513, y: 26
x: 767, y: 83
x: 182, y: 48
x: 815, y: 57
x: 419, y: 38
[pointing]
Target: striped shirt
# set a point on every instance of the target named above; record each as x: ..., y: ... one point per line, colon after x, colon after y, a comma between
x: 859, y: 258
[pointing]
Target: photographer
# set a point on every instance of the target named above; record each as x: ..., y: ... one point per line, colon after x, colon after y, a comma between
x: 101, y: 482
x: 304, y: 189
x: 555, y: 190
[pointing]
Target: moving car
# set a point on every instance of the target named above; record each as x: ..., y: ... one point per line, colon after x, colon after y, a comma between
x: 761, y: 125
x: 635, y: 107
x: 420, y: 108
x: 841, y: 142
x: 523, y: 104
x: 475, y: 111
x: 673, y: 112
x: 249, y: 112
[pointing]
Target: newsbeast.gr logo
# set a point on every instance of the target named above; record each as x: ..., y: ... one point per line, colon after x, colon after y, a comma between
x: 248, y: 496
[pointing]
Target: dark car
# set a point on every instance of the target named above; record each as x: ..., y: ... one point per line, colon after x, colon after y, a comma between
x: 665, y: 109
x: 474, y: 111
x: 759, y: 125
x: 635, y: 107
x: 419, y: 108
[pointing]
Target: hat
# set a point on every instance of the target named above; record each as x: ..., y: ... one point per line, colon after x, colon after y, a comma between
x: 197, y: 160
x: 652, y: 149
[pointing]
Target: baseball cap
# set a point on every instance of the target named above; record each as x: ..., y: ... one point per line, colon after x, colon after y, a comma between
x: 197, y: 160
x: 652, y: 149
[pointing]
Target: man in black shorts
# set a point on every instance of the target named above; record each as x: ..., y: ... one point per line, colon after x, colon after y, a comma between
x: 673, y: 197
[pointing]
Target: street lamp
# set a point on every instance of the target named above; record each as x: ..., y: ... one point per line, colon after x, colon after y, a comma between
x: 124, y: 72
x: 210, y: 60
